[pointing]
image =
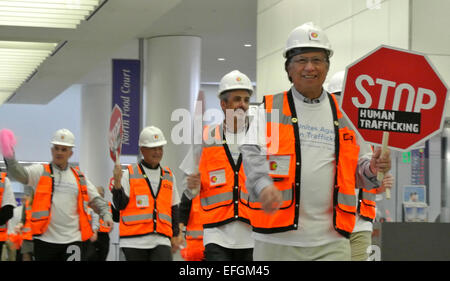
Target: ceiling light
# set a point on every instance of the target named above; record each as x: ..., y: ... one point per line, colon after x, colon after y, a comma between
x: 220, y: 59
x: 18, y: 61
x: 247, y: 45
x: 46, y: 13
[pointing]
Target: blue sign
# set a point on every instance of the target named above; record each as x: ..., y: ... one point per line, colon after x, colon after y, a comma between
x: 126, y: 92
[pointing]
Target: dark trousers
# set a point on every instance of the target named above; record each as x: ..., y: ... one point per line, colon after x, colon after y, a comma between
x: 159, y: 253
x: 98, y: 250
x: 214, y: 252
x: 44, y: 251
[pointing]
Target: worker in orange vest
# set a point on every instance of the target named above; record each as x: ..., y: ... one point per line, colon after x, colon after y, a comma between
x: 220, y: 179
x: 146, y: 196
x: 62, y: 193
x: 303, y: 172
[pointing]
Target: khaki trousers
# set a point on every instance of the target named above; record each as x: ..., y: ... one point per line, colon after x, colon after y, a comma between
x: 335, y: 251
x: 359, y: 242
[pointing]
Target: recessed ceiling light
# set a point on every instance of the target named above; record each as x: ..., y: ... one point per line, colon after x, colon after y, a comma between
x: 220, y: 59
x: 247, y: 45
x: 46, y: 13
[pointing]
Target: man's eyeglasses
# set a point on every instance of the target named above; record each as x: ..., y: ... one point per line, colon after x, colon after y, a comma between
x: 304, y: 61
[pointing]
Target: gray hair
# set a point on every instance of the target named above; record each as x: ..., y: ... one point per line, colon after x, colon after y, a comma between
x: 225, y: 96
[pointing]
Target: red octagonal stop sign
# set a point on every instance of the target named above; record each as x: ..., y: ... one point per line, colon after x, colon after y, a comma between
x: 396, y: 91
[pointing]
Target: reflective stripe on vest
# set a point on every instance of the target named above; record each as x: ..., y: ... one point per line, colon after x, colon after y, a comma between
x: 219, y: 198
x: 136, y: 218
x: 226, y: 200
x: 155, y: 215
x: 40, y: 214
x: 194, y: 234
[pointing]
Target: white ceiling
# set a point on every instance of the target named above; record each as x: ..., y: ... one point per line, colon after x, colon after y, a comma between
x: 224, y: 26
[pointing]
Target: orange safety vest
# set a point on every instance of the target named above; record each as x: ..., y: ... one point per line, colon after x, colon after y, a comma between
x: 102, y: 227
x: 3, y: 228
x: 147, y: 212
x: 42, y: 202
x: 288, y: 144
x: 223, y: 195
x: 194, y: 250
x: 26, y: 229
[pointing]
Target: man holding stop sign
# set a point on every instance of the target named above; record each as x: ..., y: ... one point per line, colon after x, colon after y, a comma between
x: 305, y: 206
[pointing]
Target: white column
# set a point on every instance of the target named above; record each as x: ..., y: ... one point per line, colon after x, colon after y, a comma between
x: 172, y: 72
x: 94, y: 150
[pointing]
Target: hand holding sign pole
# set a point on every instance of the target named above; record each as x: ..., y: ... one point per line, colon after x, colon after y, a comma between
x: 394, y: 98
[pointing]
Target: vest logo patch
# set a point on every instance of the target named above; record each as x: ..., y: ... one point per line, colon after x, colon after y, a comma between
x: 217, y: 178
x: 142, y: 201
x: 279, y: 165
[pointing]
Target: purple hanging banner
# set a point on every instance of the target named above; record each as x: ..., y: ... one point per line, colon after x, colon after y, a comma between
x: 126, y: 94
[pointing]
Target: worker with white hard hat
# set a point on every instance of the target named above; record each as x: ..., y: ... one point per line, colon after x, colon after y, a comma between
x: 361, y: 237
x: 335, y: 84
x: 222, y: 209
x: 146, y: 196
x: 304, y: 177
x: 60, y: 222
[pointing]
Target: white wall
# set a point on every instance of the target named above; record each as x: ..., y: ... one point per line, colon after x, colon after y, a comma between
x: 34, y: 125
x: 430, y: 34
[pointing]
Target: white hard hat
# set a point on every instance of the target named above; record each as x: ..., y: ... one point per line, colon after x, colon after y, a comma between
x: 151, y: 137
x: 63, y: 137
x: 308, y: 35
x: 235, y: 80
x: 336, y: 82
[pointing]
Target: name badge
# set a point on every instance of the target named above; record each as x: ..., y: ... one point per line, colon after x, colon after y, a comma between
x: 142, y: 201
x: 279, y: 165
x: 217, y: 178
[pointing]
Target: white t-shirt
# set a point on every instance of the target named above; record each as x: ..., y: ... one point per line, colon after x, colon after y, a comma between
x: 64, y: 226
x: 8, y: 194
x: 233, y: 235
x: 149, y: 241
x: 16, y: 218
